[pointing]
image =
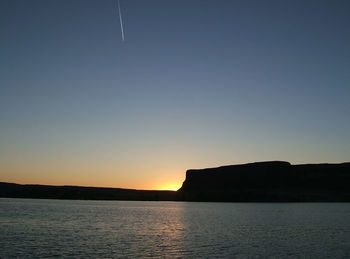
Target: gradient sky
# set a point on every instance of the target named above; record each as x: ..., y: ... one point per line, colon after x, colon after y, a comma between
x: 195, y: 84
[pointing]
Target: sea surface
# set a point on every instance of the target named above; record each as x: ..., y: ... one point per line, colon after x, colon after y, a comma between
x: 32, y: 228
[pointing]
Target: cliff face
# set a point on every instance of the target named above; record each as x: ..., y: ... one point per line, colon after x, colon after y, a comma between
x: 269, y: 181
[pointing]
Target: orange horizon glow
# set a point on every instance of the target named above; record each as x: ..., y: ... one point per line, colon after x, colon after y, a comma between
x: 164, y: 177
x: 169, y: 187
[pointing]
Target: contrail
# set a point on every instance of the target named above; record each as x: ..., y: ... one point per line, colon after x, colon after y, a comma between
x: 121, y: 21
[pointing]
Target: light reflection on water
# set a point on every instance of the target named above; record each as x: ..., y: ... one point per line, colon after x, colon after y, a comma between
x: 105, y: 229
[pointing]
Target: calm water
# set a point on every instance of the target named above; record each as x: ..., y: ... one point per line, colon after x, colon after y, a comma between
x: 105, y: 229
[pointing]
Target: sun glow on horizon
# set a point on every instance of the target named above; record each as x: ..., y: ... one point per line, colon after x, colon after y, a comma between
x: 170, y: 187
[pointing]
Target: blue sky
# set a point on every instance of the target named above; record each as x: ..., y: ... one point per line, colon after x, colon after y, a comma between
x: 195, y: 84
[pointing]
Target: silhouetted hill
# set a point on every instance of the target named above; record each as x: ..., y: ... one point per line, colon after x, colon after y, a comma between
x: 269, y: 181
x: 274, y: 181
x: 82, y: 193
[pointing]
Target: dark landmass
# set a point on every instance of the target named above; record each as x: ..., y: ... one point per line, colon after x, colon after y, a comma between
x: 274, y: 181
x: 12, y: 190
x: 269, y: 181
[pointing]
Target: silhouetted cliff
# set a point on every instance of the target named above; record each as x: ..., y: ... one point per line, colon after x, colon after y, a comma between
x: 269, y: 181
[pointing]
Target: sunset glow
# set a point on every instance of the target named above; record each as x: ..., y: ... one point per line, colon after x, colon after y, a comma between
x: 170, y: 187
x: 81, y: 105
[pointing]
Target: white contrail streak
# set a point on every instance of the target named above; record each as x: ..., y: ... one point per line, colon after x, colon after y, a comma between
x: 121, y: 21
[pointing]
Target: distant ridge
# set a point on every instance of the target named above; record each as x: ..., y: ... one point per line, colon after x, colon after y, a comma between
x: 12, y: 190
x: 270, y: 181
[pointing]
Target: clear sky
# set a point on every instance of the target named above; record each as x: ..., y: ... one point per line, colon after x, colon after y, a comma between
x: 195, y: 84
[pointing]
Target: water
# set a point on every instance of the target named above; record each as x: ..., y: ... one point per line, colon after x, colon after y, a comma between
x: 113, y: 229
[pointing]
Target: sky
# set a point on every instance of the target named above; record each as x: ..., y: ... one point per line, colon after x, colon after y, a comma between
x: 195, y: 84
